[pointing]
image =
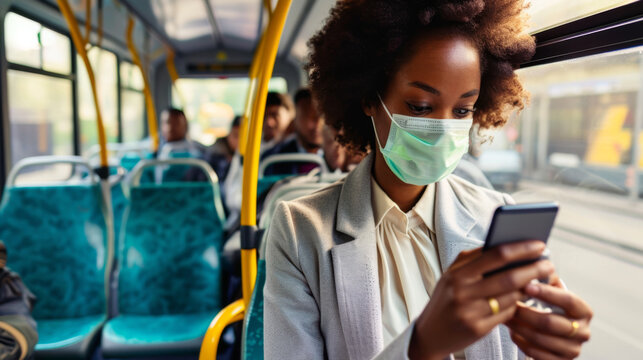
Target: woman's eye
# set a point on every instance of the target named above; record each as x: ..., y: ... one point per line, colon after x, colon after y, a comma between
x: 419, y: 109
x: 463, y: 112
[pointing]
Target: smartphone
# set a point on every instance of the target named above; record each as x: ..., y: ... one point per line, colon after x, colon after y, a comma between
x: 513, y: 223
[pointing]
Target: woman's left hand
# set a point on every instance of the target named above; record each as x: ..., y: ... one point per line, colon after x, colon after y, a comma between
x: 546, y: 336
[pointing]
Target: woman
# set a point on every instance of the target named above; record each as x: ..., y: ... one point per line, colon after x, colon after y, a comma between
x: 387, y: 263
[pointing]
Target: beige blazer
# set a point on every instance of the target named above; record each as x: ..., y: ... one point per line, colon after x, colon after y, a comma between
x: 322, y: 298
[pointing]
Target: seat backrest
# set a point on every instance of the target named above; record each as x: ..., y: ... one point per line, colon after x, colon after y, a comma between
x: 171, y: 173
x: 56, y: 240
x: 169, y: 251
x: 252, y: 339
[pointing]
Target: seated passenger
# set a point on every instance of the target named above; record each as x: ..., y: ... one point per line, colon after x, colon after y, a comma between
x: 307, y: 138
x: 278, y: 116
x: 387, y: 263
x: 468, y: 168
x: 174, y: 135
x: 334, y: 153
x: 220, y: 154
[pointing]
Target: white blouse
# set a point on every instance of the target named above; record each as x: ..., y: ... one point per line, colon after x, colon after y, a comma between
x: 408, y: 262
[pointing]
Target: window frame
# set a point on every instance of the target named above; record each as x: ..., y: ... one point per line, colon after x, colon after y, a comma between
x: 606, y: 31
x: 72, y: 76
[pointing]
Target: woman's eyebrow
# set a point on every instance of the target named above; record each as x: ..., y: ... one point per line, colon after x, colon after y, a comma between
x: 425, y: 87
x: 470, y: 93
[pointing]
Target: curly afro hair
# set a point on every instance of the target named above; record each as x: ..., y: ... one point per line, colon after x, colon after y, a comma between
x: 363, y: 42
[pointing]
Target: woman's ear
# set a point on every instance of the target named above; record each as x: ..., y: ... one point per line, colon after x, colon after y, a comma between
x: 368, y: 108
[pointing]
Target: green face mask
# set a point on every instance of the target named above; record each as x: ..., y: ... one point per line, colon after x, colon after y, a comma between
x: 421, y: 151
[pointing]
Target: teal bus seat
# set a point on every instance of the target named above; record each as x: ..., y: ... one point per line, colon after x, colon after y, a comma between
x: 174, y: 173
x: 56, y: 240
x: 169, y: 272
x: 252, y: 340
x: 129, y: 160
x: 265, y: 183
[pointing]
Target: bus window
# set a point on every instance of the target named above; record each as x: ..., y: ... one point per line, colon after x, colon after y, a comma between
x: 577, y: 143
x: 549, y: 13
x: 39, y: 89
x: 40, y: 114
x: 132, y: 103
x: 104, y: 65
x: 211, y: 104
x: 579, y: 127
x: 29, y: 43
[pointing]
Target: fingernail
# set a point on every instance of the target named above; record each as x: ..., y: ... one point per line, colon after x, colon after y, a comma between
x: 532, y: 289
x: 536, y: 245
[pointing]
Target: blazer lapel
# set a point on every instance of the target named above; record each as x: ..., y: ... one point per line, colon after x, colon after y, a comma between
x: 453, y: 223
x: 454, y: 227
x: 355, y: 266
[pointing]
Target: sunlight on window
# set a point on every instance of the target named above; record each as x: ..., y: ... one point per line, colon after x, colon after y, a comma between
x: 549, y: 13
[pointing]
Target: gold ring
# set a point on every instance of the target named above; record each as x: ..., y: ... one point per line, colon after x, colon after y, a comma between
x: 575, y: 327
x: 494, y: 305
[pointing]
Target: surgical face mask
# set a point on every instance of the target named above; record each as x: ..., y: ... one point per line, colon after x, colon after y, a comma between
x: 421, y: 151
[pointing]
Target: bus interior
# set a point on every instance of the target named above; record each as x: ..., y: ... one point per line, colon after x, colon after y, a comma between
x: 129, y: 260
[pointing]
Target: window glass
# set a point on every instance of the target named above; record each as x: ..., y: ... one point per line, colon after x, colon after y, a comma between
x: 29, y: 43
x: 133, y: 115
x: 131, y: 76
x: 211, y: 104
x: 40, y: 115
x: 580, y: 142
x: 549, y: 13
x: 21, y: 40
x: 55, y: 51
x: 104, y: 66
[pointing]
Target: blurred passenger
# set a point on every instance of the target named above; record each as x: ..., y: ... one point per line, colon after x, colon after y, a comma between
x: 307, y: 138
x: 338, y: 158
x: 225, y: 147
x: 174, y: 135
x: 220, y: 154
x: 174, y: 125
x: 334, y: 153
x: 468, y: 167
x: 278, y: 116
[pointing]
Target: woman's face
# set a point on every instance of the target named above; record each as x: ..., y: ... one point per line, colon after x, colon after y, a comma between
x: 441, y: 80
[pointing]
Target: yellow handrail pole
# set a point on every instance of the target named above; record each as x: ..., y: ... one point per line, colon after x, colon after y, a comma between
x: 79, y: 44
x: 174, y: 75
x: 88, y: 21
x: 103, y: 172
x: 268, y: 6
x: 250, y: 95
x: 230, y: 314
x: 251, y: 159
x: 149, y: 102
x: 250, y: 175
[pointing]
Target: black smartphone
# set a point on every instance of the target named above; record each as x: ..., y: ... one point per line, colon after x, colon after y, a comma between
x: 513, y: 223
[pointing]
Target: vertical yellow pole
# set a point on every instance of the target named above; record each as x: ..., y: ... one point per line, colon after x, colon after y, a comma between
x: 251, y: 159
x: 149, y: 101
x: 250, y: 175
x: 79, y: 44
x: 252, y: 87
x: 88, y: 21
x: 174, y: 75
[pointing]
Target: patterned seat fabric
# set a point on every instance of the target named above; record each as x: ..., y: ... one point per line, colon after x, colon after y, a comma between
x: 173, y: 173
x: 253, y: 324
x: 56, y: 241
x: 169, y: 266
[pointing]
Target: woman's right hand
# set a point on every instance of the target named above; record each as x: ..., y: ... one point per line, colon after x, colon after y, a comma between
x: 459, y: 312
